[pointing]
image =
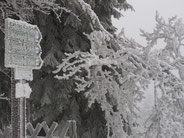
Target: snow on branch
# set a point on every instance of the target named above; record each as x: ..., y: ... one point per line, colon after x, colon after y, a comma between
x: 116, y: 80
x: 107, y: 79
x: 94, y: 21
x: 166, y: 64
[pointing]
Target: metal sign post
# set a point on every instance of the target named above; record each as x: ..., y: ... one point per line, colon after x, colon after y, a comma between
x: 22, y: 55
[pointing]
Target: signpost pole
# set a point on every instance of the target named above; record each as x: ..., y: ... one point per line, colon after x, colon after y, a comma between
x: 14, y: 108
x: 22, y: 115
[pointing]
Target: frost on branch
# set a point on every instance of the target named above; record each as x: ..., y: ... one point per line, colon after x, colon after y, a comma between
x: 95, y: 23
x: 112, y: 79
x: 167, y: 64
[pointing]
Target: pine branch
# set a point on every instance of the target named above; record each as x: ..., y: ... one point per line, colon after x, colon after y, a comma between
x: 94, y: 21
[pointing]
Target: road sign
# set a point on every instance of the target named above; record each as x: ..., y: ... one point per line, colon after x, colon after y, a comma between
x: 22, y: 49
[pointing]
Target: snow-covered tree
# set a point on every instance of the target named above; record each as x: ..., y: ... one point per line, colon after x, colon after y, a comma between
x: 115, y: 80
x: 167, y: 67
x: 62, y: 24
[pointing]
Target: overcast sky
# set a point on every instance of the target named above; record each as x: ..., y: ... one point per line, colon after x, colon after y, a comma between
x: 144, y: 15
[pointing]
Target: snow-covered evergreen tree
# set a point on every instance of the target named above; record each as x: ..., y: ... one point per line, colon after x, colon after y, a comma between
x: 62, y: 24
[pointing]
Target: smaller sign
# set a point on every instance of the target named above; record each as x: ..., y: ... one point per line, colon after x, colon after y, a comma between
x: 23, y: 74
x: 22, y: 90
